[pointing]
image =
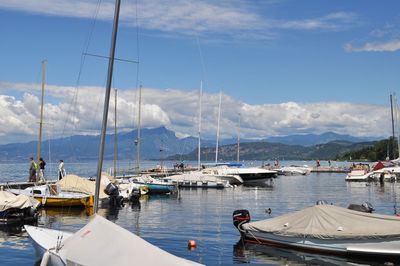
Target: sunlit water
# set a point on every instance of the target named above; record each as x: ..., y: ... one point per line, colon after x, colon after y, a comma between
x: 206, y: 216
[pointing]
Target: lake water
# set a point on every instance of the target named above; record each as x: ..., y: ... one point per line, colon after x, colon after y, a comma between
x: 206, y: 216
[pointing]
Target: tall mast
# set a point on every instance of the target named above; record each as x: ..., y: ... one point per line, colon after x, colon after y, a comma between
x: 106, y: 103
x: 138, y: 131
x: 198, y: 148
x: 238, y: 141
x: 115, y: 135
x: 396, y: 109
x: 219, y: 117
x: 44, y: 62
x: 391, y: 111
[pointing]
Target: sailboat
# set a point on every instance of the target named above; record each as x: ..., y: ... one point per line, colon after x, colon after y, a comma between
x: 51, y: 194
x: 100, y: 242
x: 204, y: 178
x: 154, y: 186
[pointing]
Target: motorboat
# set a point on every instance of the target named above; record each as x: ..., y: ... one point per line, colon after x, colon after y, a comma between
x: 50, y: 195
x: 360, y: 175
x: 155, y: 186
x: 294, y: 170
x: 197, y: 180
x: 325, y: 229
x: 17, y: 209
x: 249, y: 175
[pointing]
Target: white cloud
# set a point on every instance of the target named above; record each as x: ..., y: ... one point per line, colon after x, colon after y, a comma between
x: 236, y: 19
x: 178, y: 111
x: 333, y: 21
x: 388, y: 46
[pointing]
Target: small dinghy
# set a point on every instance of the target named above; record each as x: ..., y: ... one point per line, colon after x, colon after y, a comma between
x: 325, y: 229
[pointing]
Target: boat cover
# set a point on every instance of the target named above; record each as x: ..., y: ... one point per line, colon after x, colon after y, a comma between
x: 75, y: 183
x: 8, y: 201
x: 330, y: 222
x: 102, y: 242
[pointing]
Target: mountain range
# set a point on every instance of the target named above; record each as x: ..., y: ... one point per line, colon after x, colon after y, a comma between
x: 161, y: 142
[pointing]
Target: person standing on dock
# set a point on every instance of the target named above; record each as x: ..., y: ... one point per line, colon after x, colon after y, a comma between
x: 32, y: 170
x: 42, y: 164
x: 61, y: 170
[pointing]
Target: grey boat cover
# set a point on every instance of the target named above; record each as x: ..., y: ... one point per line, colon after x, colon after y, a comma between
x: 8, y: 201
x: 329, y: 222
x: 102, y: 242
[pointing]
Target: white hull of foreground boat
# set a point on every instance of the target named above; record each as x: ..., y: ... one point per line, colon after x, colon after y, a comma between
x: 46, y: 240
x: 381, y: 247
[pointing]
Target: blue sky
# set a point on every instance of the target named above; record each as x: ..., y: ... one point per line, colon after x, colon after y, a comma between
x: 262, y: 54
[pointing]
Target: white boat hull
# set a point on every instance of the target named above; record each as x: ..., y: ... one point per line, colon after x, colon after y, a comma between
x: 45, y: 240
x: 381, y: 247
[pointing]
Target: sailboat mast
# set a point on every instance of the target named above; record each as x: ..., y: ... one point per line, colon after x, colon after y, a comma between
x: 138, y: 131
x: 115, y: 134
x: 391, y: 111
x: 106, y: 103
x: 396, y: 109
x: 238, y: 141
x: 219, y: 117
x: 199, y: 144
x: 41, y: 108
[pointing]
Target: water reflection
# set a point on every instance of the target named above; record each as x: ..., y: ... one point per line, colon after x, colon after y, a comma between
x: 254, y: 253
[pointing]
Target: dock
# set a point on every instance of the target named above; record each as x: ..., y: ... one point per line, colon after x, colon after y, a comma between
x: 322, y: 169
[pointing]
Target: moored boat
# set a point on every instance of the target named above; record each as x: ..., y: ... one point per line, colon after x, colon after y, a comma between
x: 52, y: 196
x: 17, y: 209
x: 325, y: 229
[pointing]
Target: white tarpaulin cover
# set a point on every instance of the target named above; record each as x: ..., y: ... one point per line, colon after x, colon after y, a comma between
x: 8, y: 200
x: 330, y: 222
x: 102, y: 242
x: 75, y: 183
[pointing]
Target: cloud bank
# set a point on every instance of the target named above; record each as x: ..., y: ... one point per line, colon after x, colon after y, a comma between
x: 68, y: 111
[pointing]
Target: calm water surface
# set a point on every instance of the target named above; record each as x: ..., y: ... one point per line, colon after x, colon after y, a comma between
x: 205, y: 215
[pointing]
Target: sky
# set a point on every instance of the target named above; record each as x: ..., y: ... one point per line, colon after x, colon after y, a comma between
x: 284, y: 66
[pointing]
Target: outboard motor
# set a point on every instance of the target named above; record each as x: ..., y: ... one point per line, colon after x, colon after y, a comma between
x: 112, y: 191
x: 321, y: 202
x: 365, y: 207
x: 135, y: 195
x: 240, y: 217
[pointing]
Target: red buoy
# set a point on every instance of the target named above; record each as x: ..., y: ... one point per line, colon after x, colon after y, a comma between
x: 192, y: 244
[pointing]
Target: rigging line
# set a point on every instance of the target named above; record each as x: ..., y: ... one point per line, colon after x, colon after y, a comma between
x: 203, y: 68
x: 116, y: 59
x: 72, y: 109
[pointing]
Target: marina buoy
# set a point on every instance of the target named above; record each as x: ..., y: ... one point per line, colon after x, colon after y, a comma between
x: 192, y: 244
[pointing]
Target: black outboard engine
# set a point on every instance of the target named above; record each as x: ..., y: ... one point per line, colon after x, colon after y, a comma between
x: 240, y: 217
x: 365, y: 207
x: 321, y: 202
x: 112, y: 191
x: 135, y: 195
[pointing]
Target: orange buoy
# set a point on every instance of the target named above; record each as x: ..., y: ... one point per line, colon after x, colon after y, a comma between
x: 192, y: 244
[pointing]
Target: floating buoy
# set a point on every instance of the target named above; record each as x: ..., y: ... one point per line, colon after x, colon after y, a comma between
x: 192, y: 244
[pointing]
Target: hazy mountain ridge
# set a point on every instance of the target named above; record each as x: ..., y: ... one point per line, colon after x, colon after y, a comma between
x: 161, y: 142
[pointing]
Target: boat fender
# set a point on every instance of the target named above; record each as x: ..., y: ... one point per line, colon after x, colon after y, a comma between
x: 240, y: 217
x: 45, y: 258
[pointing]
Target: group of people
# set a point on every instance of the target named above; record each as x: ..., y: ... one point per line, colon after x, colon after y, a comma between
x: 36, y: 170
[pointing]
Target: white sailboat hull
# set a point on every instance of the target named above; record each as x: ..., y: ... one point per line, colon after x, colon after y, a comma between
x: 46, y: 240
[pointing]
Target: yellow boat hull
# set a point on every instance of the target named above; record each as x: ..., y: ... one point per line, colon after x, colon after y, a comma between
x: 54, y: 201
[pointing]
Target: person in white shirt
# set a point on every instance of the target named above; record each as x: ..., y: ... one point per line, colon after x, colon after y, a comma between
x: 61, y: 170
